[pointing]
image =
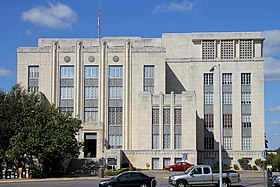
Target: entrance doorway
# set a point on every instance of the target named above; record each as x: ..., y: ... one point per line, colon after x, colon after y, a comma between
x: 90, y: 145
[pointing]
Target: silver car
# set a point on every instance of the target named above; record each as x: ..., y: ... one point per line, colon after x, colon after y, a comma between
x: 276, y: 180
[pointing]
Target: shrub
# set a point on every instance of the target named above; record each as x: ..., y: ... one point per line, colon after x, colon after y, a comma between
x: 255, y: 167
x: 235, y: 166
x: 113, y: 173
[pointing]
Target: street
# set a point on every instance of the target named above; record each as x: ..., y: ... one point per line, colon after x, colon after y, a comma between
x: 248, y: 178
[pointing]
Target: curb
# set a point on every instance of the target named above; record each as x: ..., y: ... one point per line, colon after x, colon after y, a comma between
x: 49, y: 179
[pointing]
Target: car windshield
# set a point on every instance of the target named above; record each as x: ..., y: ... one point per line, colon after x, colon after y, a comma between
x: 188, y: 170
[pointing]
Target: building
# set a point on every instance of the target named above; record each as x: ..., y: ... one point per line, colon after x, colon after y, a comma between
x: 155, y: 100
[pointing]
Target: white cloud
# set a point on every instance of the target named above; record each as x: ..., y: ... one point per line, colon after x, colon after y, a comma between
x: 272, y: 42
x: 273, y: 109
x: 271, y: 53
x: 271, y: 69
x: 174, y: 7
x: 275, y: 122
x: 5, y: 73
x: 54, y: 16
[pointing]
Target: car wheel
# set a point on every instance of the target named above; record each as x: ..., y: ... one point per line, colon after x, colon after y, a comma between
x: 225, y: 183
x: 170, y: 169
x: 180, y: 184
x: 109, y: 185
x: 143, y: 185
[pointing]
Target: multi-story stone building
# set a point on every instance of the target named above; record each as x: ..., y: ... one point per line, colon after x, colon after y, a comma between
x: 155, y: 100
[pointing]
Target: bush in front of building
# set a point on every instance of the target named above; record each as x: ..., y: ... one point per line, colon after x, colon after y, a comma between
x: 115, y: 172
x: 235, y: 166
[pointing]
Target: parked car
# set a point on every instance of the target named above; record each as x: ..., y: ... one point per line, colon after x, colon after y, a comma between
x: 276, y: 180
x: 203, y: 175
x: 179, y: 166
x: 131, y: 179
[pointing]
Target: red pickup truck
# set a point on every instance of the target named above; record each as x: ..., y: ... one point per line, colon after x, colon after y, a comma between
x: 179, y: 166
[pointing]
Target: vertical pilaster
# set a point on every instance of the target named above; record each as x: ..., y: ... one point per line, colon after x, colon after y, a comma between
x: 55, y: 76
x: 161, y: 103
x: 78, y: 81
x: 172, y: 125
x: 127, y: 99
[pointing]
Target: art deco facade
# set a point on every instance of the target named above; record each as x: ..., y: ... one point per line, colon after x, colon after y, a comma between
x: 154, y: 100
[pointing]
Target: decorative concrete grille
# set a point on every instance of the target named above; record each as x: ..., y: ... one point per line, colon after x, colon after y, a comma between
x: 178, y: 128
x: 246, y: 49
x: 208, y: 49
x: 227, y: 49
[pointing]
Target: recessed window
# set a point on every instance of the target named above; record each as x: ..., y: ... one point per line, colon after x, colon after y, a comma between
x: 208, y: 49
x: 227, y: 49
x: 246, y: 49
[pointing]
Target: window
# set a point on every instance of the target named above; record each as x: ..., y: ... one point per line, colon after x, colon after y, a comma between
x: 155, y: 131
x: 166, y: 131
x: 227, y: 144
x: 246, y: 120
x: 246, y: 49
x: 209, y: 143
x: 91, y: 72
x: 197, y: 171
x: 91, y: 93
x: 245, y: 78
x: 166, y: 162
x: 33, y: 78
x: 246, y: 143
x: 208, y: 98
x: 115, y: 109
x: 67, y: 92
x: 206, y: 170
x: 67, y: 89
x: 91, y: 113
x: 116, y: 72
x: 178, y: 128
x: 208, y: 121
x: 149, y: 78
x: 65, y: 110
x: 155, y: 163
x: 227, y: 49
x: 208, y: 49
x: 246, y: 97
x: 227, y: 120
x: 227, y: 98
x: 227, y: 79
x: 208, y: 78
x: 67, y: 72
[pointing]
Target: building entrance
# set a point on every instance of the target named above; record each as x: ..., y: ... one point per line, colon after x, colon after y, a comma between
x: 90, y: 145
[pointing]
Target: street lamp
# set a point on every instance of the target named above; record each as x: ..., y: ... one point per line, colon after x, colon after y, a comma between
x: 221, y: 126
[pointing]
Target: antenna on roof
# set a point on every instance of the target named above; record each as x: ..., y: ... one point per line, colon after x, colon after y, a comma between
x: 99, y: 19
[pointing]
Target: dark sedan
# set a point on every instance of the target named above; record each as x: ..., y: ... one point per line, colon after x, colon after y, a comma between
x: 276, y: 180
x: 129, y: 179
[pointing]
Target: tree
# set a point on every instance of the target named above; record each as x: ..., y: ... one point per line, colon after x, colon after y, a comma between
x: 11, y: 104
x: 38, y: 132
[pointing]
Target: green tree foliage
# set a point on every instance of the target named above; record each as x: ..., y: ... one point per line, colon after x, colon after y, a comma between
x: 39, y: 132
x: 11, y: 104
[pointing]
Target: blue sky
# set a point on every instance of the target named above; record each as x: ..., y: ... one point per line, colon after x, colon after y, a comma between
x: 24, y: 21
